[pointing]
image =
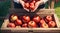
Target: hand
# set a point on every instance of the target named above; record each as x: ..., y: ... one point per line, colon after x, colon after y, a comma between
x: 23, y: 4
x: 37, y: 5
x: 25, y: 7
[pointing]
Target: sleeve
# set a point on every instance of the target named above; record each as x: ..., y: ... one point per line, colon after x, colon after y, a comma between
x: 45, y: 1
x: 16, y: 1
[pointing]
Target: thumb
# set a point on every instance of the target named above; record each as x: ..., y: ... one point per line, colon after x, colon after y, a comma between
x: 36, y: 6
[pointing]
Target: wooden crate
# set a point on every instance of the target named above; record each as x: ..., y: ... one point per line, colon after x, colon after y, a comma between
x: 41, y: 12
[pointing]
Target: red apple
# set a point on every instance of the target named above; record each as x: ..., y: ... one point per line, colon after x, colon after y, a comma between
x: 25, y: 25
x: 42, y: 21
x: 36, y: 19
x: 32, y: 6
x: 25, y: 0
x: 13, y: 17
x: 18, y: 26
x: 46, y: 21
x: 37, y: 0
x: 44, y: 25
x: 33, y: 1
x: 27, y: 5
x: 11, y: 25
x: 32, y: 24
x: 26, y: 19
x: 18, y: 22
x: 49, y: 18
x: 52, y: 24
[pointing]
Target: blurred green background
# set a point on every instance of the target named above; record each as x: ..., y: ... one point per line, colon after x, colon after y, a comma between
x: 4, y: 6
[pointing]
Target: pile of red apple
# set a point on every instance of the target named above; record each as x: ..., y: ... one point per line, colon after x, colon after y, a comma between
x: 30, y: 4
x: 26, y: 21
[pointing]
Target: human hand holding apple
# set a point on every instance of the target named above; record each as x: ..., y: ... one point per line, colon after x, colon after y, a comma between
x: 27, y: 5
x: 23, y: 4
x: 37, y: 3
x: 32, y: 6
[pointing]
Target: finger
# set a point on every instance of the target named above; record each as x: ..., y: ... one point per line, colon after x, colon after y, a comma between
x: 32, y: 10
x: 26, y: 9
x: 36, y: 6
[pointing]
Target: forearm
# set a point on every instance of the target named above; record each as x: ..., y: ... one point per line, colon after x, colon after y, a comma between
x: 37, y: 4
x: 41, y: 2
x: 21, y: 1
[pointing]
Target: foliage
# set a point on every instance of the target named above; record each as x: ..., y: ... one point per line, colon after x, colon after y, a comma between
x: 57, y: 9
x: 4, y: 6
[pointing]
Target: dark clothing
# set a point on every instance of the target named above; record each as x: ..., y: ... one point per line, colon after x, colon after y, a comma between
x: 17, y: 5
x: 41, y: 6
